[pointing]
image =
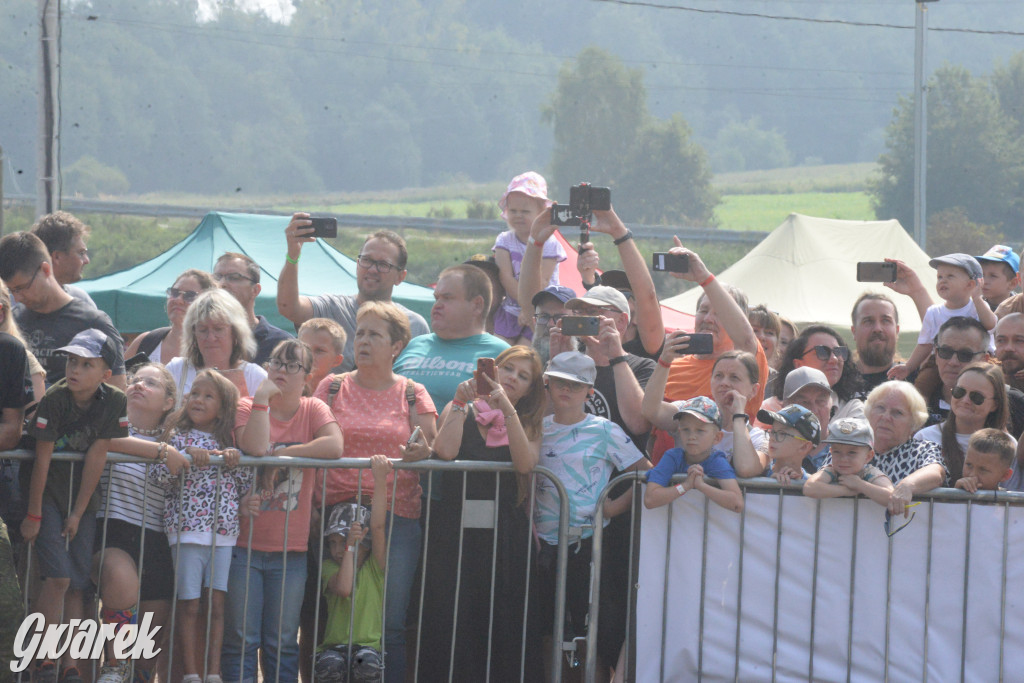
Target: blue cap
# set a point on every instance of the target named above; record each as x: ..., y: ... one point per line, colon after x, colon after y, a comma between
x: 1001, y: 253
x: 92, y: 343
x: 559, y: 292
x: 702, y: 408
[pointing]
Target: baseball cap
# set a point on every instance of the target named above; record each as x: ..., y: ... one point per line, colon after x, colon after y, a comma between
x: 559, y: 292
x: 851, y: 430
x: 483, y: 262
x: 92, y: 343
x: 1000, y: 253
x: 531, y: 183
x: 799, y: 418
x: 702, y: 408
x: 965, y: 261
x: 798, y: 378
x: 602, y: 295
x: 616, y: 279
x: 573, y: 366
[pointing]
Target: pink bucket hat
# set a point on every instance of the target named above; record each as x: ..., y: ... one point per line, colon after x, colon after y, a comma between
x: 531, y: 183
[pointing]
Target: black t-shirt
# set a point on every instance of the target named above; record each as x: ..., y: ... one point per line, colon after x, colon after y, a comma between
x: 15, y: 382
x: 635, y: 346
x: 46, y: 332
x: 267, y: 337
x: 604, y: 403
x: 872, y: 380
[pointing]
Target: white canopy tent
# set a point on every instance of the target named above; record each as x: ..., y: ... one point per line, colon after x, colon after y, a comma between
x: 806, y: 269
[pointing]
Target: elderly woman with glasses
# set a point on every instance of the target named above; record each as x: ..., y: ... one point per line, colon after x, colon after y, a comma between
x: 164, y: 343
x: 821, y: 347
x: 217, y: 335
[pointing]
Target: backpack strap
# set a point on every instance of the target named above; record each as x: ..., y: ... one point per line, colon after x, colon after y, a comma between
x: 410, y: 398
x: 335, y: 387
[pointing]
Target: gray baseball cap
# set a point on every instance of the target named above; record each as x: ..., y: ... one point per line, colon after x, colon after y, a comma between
x: 796, y: 416
x: 798, y: 378
x: 965, y: 261
x: 92, y: 343
x: 573, y: 366
x: 601, y: 296
x: 851, y: 430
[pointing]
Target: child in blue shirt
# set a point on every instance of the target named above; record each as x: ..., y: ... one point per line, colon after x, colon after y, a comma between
x: 699, y: 429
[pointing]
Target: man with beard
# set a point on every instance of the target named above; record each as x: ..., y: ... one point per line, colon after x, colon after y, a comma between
x: 548, y: 309
x: 1009, y: 334
x: 876, y: 327
x: 380, y: 267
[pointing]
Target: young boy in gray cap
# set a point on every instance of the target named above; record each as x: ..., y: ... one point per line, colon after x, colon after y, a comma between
x: 959, y: 283
x: 851, y: 442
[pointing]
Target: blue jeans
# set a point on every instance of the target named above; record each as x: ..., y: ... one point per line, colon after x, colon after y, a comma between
x: 260, y: 628
x: 404, y: 555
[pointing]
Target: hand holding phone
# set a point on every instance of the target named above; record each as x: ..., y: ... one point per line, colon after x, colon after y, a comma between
x: 323, y: 227
x: 484, y: 367
x: 876, y: 271
x: 667, y: 262
x: 580, y: 325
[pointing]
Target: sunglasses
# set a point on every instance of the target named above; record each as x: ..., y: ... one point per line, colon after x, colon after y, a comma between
x: 892, y: 529
x: 977, y: 398
x: 962, y: 355
x: 825, y: 352
x: 186, y: 296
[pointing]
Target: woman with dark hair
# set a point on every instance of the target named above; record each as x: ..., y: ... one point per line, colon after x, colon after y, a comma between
x: 164, y: 343
x: 821, y: 347
x: 503, y: 426
x: 978, y: 400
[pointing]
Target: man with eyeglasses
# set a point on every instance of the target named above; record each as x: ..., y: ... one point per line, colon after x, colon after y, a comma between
x: 380, y: 267
x: 548, y: 310
x: 239, y: 276
x: 960, y: 342
x: 50, y: 317
x: 64, y: 236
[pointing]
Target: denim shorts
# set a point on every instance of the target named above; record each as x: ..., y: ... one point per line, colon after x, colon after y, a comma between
x: 194, y: 567
x: 60, y: 559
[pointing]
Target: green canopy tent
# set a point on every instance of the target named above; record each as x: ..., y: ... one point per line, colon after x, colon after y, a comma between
x: 134, y: 298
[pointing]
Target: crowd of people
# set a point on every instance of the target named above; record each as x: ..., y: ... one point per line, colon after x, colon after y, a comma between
x: 280, y: 572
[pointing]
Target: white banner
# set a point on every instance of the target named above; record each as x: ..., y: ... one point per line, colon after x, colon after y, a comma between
x: 748, y: 614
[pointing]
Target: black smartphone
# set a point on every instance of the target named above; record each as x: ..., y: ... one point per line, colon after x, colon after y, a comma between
x: 876, y: 271
x: 664, y: 261
x: 484, y: 366
x: 561, y: 214
x: 323, y: 227
x: 700, y: 345
x: 580, y: 325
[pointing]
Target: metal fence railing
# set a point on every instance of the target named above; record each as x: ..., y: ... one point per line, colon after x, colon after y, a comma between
x: 476, y: 516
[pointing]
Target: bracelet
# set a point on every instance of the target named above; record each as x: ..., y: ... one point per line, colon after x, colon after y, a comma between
x: 161, y: 453
x: 618, y: 359
x: 708, y: 281
x: 625, y: 238
x: 664, y: 364
x: 293, y: 261
x: 34, y: 518
x: 258, y: 408
x: 458, y: 408
x: 680, y: 488
x: 510, y: 415
x: 349, y: 548
x: 744, y: 416
x: 538, y: 243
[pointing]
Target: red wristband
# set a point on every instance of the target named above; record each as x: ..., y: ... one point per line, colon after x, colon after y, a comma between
x: 458, y: 404
x: 34, y: 518
x: 256, y: 407
x: 708, y: 281
x: 664, y: 364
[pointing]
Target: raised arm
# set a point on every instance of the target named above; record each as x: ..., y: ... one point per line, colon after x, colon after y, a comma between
x: 290, y: 303
x: 530, y: 277
x: 648, y: 309
x: 908, y: 283
x: 655, y: 408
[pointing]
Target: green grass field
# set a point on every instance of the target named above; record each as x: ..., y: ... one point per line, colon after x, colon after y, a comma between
x: 765, y: 212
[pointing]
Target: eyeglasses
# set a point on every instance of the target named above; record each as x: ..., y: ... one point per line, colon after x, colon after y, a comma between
x: 145, y: 381
x: 888, y: 525
x: 977, y: 398
x: 233, y: 278
x: 781, y: 437
x: 568, y: 385
x: 545, y: 319
x: 825, y: 352
x: 962, y: 355
x: 291, y: 367
x: 185, y: 295
x: 379, y: 266
x: 22, y: 288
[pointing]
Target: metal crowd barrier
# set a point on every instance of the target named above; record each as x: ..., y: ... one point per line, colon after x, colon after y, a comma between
x: 449, y: 468
x: 999, y: 669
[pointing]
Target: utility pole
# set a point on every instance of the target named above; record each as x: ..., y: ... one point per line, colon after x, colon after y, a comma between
x: 921, y: 123
x: 1, y: 190
x: 48, y: 152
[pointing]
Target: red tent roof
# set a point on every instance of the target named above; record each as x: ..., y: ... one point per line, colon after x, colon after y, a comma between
x: 570, y: 277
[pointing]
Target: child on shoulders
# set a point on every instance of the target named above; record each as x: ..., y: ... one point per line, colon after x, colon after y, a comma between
x: 851, y: 441
x: 699, y: 429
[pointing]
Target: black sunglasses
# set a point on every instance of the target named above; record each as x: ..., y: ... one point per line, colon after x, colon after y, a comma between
x: 962, y: 355
x: 977, y: 398
x: 825, y: 352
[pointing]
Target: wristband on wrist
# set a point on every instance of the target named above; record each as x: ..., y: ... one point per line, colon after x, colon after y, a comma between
x: 708, y: 281
x: 743, y: 416
x: 625, y: 238
x: 293, y: 261
x: 680, y: 488
x: 618, y: 359
x: 34, y: 518
x: 538, y: 243
x: 663, y: 363
x: 258, y: 407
